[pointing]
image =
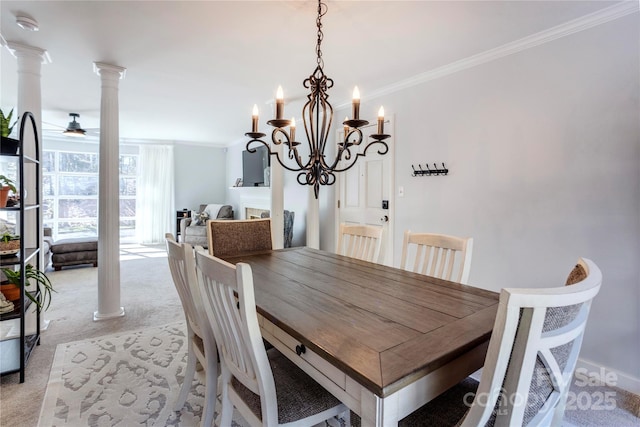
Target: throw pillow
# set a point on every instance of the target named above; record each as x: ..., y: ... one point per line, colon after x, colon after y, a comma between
x: 225, y: 212
x: 201, y: 218
x: 212, y: 210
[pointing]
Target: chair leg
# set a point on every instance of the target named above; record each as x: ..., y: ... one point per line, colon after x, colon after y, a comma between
x: 346, y: 417
x: 558, y: 414
x: 211, y: 392
x: 227, y: 406
x: 188, y: 377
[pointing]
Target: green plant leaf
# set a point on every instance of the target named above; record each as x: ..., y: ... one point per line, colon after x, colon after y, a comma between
x: 41, y: 280
x: 5, y: 123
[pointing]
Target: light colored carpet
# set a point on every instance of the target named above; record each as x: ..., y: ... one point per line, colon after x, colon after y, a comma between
x: 149, y: 299
x: 123, y: 379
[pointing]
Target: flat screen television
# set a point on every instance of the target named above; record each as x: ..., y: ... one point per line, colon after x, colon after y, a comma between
x: 253, y: 168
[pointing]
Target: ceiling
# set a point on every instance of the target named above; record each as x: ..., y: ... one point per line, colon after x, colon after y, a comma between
x: 195, y: 68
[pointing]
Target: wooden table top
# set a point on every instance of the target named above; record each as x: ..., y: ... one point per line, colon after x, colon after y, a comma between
x: 383, y: 326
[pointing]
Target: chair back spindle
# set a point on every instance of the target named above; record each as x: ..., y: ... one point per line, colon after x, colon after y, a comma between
x: 437, y: 255
x: 360, y: 241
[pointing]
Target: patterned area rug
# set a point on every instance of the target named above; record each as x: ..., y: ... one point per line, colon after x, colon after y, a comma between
x: 125, y: 379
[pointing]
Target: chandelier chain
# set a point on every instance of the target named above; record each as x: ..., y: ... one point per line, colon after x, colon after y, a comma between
x: 322, y: 10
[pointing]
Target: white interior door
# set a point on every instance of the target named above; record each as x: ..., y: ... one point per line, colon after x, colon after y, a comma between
x: 365, y: 187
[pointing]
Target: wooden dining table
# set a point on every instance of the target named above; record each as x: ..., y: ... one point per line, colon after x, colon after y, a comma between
x: 383, y: 340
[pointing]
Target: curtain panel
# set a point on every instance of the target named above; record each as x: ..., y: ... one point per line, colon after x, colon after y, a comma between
x: 155, y: 200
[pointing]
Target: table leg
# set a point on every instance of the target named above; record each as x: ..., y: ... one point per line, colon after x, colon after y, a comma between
x: 379, y: 412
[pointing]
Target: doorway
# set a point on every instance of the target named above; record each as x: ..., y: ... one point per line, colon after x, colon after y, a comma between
x: 365, y: 192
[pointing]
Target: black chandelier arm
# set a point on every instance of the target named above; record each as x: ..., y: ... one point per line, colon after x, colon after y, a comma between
x: 344, y: 151
x: 382, y: 151
x: 275, y: 154
x: 292, y: 149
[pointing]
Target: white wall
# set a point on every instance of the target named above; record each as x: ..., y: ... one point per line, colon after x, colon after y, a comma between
x: 201, y: 173
x: 543, y: 148
x: 295, y: 195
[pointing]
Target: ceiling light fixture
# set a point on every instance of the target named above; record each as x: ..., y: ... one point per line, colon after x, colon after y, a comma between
x: 27, y: 23
x: 74, y: 128
x: 317, y: 115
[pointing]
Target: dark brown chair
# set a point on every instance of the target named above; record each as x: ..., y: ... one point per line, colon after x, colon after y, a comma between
x: 233, y: 238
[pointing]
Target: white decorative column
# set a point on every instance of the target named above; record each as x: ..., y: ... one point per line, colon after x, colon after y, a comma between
x: 30, y: 60
x: 277, y: 200
x: 109, y: 195
x: 313, y: 220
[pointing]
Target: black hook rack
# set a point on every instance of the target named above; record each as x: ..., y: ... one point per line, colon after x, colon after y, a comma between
x: 428, y: 171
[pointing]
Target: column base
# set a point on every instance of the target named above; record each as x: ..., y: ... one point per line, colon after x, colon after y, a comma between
x: 97, y: 316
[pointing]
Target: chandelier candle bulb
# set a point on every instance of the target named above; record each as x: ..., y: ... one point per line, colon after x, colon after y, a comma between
x: 292, y: 129
x: 254, y: 119
x: 279, y: 103
x: 346, y: 128
x: 356, y: 103
x: 381, y: 121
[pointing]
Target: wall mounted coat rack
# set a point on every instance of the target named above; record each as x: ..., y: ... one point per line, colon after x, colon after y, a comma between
x: 429, y: 171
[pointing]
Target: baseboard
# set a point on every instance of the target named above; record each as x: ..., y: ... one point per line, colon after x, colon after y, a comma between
x: 609, y: 376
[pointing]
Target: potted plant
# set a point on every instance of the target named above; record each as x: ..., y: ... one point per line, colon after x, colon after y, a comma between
x: 6, y: 185
x: 31, y: 273
x: 9, y: 145
x: 9, y: 242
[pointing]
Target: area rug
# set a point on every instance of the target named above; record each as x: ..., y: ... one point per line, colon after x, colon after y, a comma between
x: 125, y: 379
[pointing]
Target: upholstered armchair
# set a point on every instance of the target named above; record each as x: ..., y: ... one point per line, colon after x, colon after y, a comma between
x: 193, y: 230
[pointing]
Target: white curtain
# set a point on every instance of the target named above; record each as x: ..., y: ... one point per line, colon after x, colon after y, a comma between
x: 155, y: 202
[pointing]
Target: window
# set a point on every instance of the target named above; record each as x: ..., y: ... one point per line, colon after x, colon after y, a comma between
x: 70, y: 193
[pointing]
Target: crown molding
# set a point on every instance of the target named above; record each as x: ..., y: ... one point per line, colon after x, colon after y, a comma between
x: 585, y: 22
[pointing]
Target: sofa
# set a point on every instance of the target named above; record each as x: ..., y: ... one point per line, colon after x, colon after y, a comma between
x: 47, y: 242
x: 74, y: 251
x: 193, y: 229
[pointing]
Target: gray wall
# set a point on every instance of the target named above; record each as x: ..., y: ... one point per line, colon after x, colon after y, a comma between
x: 543, y: 148
x: 200, y: 175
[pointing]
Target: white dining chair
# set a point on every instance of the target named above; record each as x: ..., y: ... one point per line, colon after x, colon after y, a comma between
x: 530, y: 362
x: 264, y: 386
x: 199, y: 332
x: 360, y: 241
x: 239, y: 237
x: 437, y: 255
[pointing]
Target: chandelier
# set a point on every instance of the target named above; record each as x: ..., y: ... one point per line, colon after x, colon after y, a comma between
x: 317, y: 115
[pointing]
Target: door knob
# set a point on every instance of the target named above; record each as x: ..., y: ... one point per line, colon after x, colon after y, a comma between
x: 385, y: 218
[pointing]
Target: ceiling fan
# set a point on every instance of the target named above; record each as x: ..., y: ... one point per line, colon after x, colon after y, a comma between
x: 73, y: 129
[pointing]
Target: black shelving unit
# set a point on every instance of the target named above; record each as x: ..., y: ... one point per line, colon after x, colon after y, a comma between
x: 15, y: 348
x: 179, y: 216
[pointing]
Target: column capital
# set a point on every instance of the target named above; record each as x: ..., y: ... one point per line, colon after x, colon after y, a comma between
x: 101, y: 68
x: 20, y: 50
